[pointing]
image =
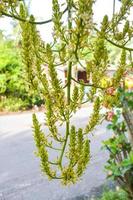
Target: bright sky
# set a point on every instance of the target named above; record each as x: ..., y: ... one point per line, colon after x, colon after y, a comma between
x: 42, y: 10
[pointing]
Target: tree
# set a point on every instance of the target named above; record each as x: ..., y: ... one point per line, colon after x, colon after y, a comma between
x: 71, y: 38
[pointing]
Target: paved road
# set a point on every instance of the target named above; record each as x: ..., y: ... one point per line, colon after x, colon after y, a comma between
x: 20, y: 176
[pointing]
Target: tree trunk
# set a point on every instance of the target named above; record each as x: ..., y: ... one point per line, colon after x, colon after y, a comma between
x: 128, y: 117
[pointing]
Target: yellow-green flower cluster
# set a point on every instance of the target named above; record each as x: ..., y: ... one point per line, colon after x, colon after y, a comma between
x: 124, y: 34
x: 41, y: 143
x: 56, y: 90
x: 32, y: 59
x: 84, y: 158
x: 121, y: 17
x: 57, y: 17
x: 71, y: 40
x: 50, y: 114
x: 28, y: 49
x: 126, y: 5
x: 100, y: 61
x: 27, y: 52
x: 95, y: 116
x: 72, y: 145
x: 77, y: 98
x: 38, y: 134
x: 110, y: 101
x: 7, y: 4
x: 79, y: 156
x: 68, y: 175
x: 82, y: 27
x: 120, y: 71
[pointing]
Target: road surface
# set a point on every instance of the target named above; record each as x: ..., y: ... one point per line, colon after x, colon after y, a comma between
x: 20, y: 176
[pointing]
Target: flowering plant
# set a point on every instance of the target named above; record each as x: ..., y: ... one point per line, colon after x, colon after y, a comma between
x: 71, y: 38
x: 120, y: 145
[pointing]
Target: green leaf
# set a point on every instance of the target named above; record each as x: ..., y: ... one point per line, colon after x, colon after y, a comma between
x: 110, y: 126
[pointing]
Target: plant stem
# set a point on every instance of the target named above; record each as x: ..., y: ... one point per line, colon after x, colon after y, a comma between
x: 69, y: 75
x: 68, y: 102
x: 24, y: 20
x: 90, y: 85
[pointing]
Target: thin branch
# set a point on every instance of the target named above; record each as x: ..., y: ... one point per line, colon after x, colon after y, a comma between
x: 84, y: 102
x: 131, y: 59
x: 115, y: 44
x: 89, y: 85
x: 53, y: 148
x: 59, y: 50
x: 118, y: 45
x: 55, y: 64
x: 53, y: 163
x: 81, y: 64
x: 113, y: 8
x: 62, y: 63
x: 24, y: 20
x: 65, y: 85
x: 55, y: 177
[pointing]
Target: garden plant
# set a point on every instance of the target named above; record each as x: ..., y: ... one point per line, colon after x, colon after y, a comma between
x: 73, y: 28
x: 120, y: 145
x: 15, y: 93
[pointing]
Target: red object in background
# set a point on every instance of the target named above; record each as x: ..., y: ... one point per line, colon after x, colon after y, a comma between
x: 82, y: 76
x: 111, y: 91
x: 110, y: 115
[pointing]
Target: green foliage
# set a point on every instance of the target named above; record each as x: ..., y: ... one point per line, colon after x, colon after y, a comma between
x: 14, y: 91
x: 114, y: 195
x: 120, y: 163
x: 71, y: 39
x: 13, y: 104
x: 119, y: 147
x: 10, y: 67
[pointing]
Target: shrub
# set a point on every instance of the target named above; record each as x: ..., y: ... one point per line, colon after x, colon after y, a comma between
x: 13, y: 104
x: 120, y: 162
x: 15, y: 93
x: 114, y: 195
